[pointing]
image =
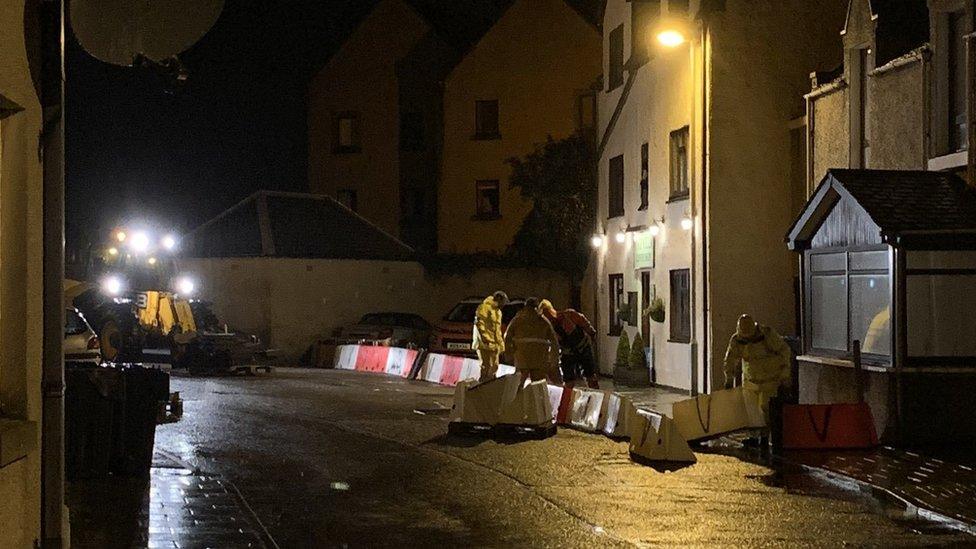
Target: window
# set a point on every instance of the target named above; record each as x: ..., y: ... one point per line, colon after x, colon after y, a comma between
x: 850, y: 301
x: 347, y: 133
x: 644, y: 178
x: 486, y: 120
x: 487, y: 199
x: 615, y: 64
x: 679, y: 163
x: 956, y: 59
x: 616, y: 303
x: 615, y: 188
x: 645, y: 304
x: 586, y: 112
x: 632, y: 314
x: 347, y: 197
x: 680, y: 312
x: 411, y: 131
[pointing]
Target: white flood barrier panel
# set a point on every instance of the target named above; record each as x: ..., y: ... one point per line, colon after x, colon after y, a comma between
x: 345, y: 357
x: 715, y: 414
x: 654, y: 437
x: 586, y: 409
x: 618, y: 413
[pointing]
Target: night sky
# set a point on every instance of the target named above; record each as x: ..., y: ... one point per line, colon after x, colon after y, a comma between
x: 141, y: 147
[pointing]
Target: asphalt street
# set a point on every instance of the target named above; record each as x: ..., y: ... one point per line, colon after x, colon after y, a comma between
x: 327, y: 458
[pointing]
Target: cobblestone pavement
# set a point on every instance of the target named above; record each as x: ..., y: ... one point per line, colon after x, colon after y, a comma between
x: 179, y: 508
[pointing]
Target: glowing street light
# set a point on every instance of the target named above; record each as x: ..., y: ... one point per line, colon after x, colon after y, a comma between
x: 596, y: 241
x: 169, y: 242
x: 140, y: 242
x: 670, y: 38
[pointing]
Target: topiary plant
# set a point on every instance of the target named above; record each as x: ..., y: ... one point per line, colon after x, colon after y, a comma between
x: 637, y: 357
x: 623, y: 351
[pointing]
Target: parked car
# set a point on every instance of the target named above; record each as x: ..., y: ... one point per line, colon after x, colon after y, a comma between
x: 396, y: 329
x: 452, y: 335
x: 80, y: 342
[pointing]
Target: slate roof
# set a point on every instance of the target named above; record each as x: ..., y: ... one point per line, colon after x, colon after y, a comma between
x: 900, y: 202
x: 299, y: 225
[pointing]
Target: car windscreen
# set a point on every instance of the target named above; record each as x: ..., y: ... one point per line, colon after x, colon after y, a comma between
x: 393, y: 319
x: 73, y: 323
x: 462, y: 312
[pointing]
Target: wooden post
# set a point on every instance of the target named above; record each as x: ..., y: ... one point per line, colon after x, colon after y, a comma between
x: 858, y: 372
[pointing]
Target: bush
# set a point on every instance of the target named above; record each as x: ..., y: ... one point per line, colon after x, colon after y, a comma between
x: 638, y: 360
x: 623, y: 351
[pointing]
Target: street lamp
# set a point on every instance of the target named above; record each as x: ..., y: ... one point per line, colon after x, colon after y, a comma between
x: 687, y: 223
x: 596, y: 241
x: 670, y: 37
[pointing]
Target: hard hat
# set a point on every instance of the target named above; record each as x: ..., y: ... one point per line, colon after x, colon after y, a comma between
x: 745, y: 328
x: 546, y: 307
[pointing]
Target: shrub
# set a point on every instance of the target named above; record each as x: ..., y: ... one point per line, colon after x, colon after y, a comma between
x: 623, y: 351
x: 638, y: 360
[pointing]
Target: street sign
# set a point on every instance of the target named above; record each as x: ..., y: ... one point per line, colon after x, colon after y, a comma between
x: 643, y: 251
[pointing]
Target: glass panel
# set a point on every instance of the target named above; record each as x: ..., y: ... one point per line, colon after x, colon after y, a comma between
x: 827, y: 262
x: 829, y: 312
x: 869, y: 261
x: 871, y: 313
x: 940, y: 315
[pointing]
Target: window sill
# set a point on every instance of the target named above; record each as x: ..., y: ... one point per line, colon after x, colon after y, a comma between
x: 841, y: 363
x: 486, y: 137
x: 642, y: 208
x: 17, y: 438
x: 949, y: 161
x: 678, y: 197
x: 681, y: 341
x: 486, y: 217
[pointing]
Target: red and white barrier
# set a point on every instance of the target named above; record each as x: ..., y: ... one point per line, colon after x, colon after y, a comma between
x: 377, y: 359
x: 450, y: 370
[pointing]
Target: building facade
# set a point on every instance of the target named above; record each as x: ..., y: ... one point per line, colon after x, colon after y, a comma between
x: 20, y: 280
x: 701, y: 171
x: 896, y: 114
x: 415, y: 137
x: 530, y: 76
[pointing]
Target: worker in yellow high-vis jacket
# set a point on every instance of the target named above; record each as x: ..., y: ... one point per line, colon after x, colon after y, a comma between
x: 487, y: 337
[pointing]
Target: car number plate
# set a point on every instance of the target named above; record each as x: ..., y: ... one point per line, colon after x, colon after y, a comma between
x: 458, y: 345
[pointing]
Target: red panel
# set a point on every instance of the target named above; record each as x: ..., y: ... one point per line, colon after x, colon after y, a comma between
x: 372, y: 358
x: 451, y: 372
x: 812, y: 426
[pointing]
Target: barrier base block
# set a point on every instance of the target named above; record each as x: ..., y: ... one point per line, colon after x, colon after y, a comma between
x: 501, y: 430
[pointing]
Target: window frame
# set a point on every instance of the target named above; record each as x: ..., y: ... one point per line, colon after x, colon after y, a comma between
x: 615, y: 58
x: 616, y: 192
x: 679, y: 177
x: 644, y: 178
x: 355, y: 133
x: 615, y: 291
x: 497, y: 211
x: 808, y: 318
x: 679, y: 332
x: 480, y: 132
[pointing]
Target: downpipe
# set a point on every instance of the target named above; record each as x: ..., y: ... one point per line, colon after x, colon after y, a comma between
x: 52, y: 361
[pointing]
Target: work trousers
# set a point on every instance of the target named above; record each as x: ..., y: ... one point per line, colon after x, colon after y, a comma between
x: 489, y: 364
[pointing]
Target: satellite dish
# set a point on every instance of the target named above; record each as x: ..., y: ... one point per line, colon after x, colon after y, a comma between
x: 117, y: 31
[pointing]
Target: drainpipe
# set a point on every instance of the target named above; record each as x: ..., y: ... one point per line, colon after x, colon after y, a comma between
x: 704, y: 236
x: 52, y: 374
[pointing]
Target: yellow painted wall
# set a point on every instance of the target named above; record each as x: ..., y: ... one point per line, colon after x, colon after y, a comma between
x: 535, y: 61
x: 896, y: 113
x: 20, y: 278
x: 358, y: 78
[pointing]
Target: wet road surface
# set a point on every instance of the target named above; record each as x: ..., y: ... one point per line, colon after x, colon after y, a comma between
x: 325, y: 458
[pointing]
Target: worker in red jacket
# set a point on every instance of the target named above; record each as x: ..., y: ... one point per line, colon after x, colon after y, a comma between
x: 575, y: 343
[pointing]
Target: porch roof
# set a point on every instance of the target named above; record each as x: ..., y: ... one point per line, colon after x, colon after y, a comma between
x: 910, y: 207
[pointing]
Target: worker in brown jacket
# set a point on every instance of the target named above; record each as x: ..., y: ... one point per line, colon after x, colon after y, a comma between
x: 532, y: 344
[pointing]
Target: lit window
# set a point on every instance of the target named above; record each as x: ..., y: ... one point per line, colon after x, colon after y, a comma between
x: 487, y: 199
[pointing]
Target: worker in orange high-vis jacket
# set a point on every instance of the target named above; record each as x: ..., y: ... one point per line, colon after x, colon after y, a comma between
x: 576, y: 343
x: 487, y: 337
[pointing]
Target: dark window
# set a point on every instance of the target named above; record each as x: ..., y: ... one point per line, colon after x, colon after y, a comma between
x: 632, y: 308
x: 487, y: 198
x: 414, y: 204
x: 586, y: 112
x: 644, y: 178
x: 347, y: 133
x: 645, y: 305
x: 615, y: 64
x: 957, y: 81
x: 486, y: 120
x: 347, y: 197
x: 616, y: 303
x: 411, y: 131
x: 680, y: 306
x: 615, y: 188
x: 679, y: 163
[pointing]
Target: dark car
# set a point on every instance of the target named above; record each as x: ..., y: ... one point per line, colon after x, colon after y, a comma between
x: 395, y: 329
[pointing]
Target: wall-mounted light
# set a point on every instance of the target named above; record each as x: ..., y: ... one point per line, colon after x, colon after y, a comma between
x: 687, y: 223
x: 620, y: 238
x: 670, y: 37
x: 596, y: 241
x: 113, y: 251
